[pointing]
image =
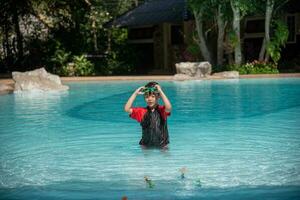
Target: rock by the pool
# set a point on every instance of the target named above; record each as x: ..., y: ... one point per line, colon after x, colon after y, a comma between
x: 4, y: 88
x: 38, y: 79
x: 227, y: 74
x: 193, y: 69
x: 182, y: 77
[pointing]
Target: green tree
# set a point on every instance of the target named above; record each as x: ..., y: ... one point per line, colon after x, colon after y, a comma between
x: 278, y: 40
x: 199, y: 8
x: 211, y: 16
x: 78, y: 26
x: 240, y: 9
x: 10, y: 14
x: 270, y: 7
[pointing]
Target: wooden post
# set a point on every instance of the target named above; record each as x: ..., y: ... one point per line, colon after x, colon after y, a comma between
x: 166, y: 41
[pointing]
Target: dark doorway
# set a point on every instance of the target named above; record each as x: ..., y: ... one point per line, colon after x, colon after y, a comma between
x: 145, y: 56
x: 252, y: 48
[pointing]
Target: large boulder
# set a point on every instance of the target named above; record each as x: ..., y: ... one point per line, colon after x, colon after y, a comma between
x: 227, y: 74
x: 192, y: 70
x: 38, y: 79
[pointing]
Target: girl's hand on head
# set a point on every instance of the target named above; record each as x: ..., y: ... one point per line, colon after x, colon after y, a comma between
x: 139, y: 90
x: 158, y: 87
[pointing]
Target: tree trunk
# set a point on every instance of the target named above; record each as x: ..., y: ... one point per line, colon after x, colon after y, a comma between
x: 202, y: 42
x: 94, y: 28
x: 6, y: 41
x: 95, y: 41
x: 236, y: 29
x: 108, y: 50
x: 18, y: 33
x: 94, y: 32
x: 221, y: 33
x: 270, y: 6
x: 262, y: 50
x: 263, y: 55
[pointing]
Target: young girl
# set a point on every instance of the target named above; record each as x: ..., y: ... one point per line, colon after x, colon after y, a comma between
x: 152, y: 118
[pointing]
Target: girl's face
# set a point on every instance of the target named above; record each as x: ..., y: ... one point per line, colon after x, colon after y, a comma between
x: 151, y: 99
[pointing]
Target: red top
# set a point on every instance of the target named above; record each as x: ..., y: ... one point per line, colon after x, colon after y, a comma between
x: 139, y: 112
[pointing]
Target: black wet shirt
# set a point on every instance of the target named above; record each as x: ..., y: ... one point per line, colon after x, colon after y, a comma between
x: 154, y: 129
x: 154, y: 125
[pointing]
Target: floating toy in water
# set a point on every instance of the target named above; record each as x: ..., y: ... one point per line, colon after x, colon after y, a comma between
x: 149, y: 182
x: 124, y: 198
x: 183, y: 170
x: 199, y: 183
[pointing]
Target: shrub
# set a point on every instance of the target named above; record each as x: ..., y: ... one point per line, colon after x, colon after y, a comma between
x: 255, y: 67
x: 67, y: 65
x: 117, y: 62
x: 116, y: 66
x: 279, y: 39
x: 59, y: 60
x: 83, y: 67
x: 79, y: 66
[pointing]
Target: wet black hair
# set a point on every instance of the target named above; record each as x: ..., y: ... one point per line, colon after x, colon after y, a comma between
x: 151, y: 84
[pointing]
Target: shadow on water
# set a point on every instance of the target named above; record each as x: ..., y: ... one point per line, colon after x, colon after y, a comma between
x: 102, y: 109
x: 162, y: 190
x: 110, y: 108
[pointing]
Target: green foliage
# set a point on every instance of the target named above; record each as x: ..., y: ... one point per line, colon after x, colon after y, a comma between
x: 193, y: 49
x: 209, y: 8
x: 233, y: 39
x: 121, y: 57
x: 117, y: 63
x: 83, y: 67
x: 278, y: 40
x: 255, y: 67
x: 78, y: 27
x: 79, y: 66
x: 119, y: 36
x: 60, y: 59
x: 246, y: 6
x: 67, y: 65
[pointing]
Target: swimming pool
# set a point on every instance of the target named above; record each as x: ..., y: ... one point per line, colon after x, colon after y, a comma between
x: 239, y: 138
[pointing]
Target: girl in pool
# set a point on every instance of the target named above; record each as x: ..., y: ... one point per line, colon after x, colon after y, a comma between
x: 152, y: 118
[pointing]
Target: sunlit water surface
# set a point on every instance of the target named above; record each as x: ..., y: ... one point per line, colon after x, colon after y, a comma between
x: 238, y: 139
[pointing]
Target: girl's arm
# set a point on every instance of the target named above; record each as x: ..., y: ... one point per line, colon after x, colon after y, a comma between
x: 130, y: 101
x: 168, y: 106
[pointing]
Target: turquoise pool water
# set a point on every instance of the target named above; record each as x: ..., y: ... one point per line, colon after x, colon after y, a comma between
x: 240, y: 138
